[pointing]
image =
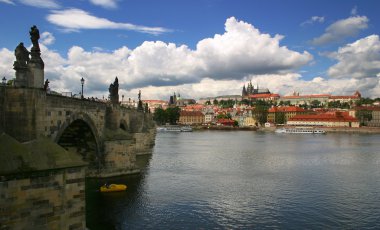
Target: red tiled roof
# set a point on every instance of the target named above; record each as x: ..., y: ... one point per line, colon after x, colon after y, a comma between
x: 226, y: 121
x: 154, y: 101
x: 191, y: 113
x: 333, y: 117
x: 196, y: 106
x: 266, y: 95
x: 303, y: 96
x: 286, y: 109
x: 345, y: 97
x: 369, y: 108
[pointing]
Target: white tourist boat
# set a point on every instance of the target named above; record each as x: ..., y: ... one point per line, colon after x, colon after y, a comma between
x: 307, y: 130
x: 174, y: 128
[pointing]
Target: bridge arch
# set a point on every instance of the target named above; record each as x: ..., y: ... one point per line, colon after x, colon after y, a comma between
x: 79, y: 134
x: 124, y: 125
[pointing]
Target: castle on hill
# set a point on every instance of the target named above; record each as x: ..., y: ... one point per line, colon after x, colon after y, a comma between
x: 250, y: 90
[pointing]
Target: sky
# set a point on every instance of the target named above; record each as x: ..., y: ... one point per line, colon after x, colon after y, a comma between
x: 199, y: 48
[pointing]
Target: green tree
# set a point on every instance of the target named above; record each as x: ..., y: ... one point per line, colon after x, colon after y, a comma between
x: 173, y: 115
x: 364, y: 101
x: 224, y: 116
x: 280, y: 118
x: 287, y: 103
x: 159, y: 116
x: 215, y: 102
x: 261, y: 113
x: 364, y: 116
x: 315, y: 104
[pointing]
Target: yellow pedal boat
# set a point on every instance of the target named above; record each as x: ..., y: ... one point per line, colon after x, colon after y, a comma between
x: 113, y: 188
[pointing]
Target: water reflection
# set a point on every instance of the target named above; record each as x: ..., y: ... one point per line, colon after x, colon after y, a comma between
x: 106, y: 210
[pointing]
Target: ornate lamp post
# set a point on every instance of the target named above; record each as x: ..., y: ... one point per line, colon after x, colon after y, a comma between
x: 4, y: 80
x: 82, y: 82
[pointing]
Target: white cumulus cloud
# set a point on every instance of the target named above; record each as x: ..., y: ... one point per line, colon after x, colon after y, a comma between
x: 47, y: 38
x: 313, y: 19
x: 110, y: 4
x: 243, y: 50
x: 50, y: 4
x: 341, y: 29
x: 360, y: 59
x: 218, y: 65
x: 76, y: 19
x: 7, y: 2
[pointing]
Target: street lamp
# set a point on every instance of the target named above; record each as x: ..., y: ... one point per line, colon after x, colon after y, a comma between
x: 122, y: 98
x: 82, y: 81
x: 4, y: 80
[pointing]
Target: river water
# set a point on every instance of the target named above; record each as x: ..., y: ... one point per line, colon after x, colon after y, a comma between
x: 247, y: 180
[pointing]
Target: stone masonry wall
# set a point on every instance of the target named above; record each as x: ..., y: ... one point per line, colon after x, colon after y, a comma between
x: 61, y: 110
x: 120, y: 158
x: 43, y: 200
x: 145, y: 141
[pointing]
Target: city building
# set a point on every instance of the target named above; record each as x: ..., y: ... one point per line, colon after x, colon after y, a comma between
x: 329, y: 119
x: 284, y: 113
x: 297, y: 99
x: 367, y: 115
x: 191, y: 118
x: 154, y: 104
x: 209, y: 117
x: 184, y: 102
x: 322, y: 99
x: 349, y: 99
x: 204, y: 100
x: 225, y: 122
x: 265, y: 97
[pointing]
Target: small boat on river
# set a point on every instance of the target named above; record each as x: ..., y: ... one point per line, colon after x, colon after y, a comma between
x: 113, y: 188
x: 301, y: 130
x: 174, y: 128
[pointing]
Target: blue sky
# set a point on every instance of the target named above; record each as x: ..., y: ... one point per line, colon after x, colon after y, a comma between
x: 199, y: 48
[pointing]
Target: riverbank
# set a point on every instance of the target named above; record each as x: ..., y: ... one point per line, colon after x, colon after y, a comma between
x: 352, y: 130
x: 374, y: 130
x: 224, y: 128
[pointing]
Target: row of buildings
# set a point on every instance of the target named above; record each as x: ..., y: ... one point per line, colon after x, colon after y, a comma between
x: 285, y: 110
x: 289, y: 115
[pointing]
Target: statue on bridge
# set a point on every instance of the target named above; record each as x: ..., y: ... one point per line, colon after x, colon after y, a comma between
x: 140, y: 105
x: 34, y: 36
x: 22, y: 56
x: 29, y: 69
x: 114, y: 91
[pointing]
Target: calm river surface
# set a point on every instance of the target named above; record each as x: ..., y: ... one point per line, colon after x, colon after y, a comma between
x: 246, y: 180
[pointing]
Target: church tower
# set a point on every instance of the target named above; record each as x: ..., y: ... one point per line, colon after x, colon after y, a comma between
x: 244, y: 92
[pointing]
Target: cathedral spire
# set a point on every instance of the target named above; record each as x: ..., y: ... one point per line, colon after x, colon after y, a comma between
x: 244, y: 92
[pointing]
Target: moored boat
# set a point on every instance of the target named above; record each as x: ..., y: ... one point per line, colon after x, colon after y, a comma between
x: 186, y: 129
x: 113, y: 188
x: 174, y: 128
x: 307, y: 130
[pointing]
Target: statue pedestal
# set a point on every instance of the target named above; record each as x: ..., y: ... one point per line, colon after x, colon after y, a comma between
x: 22, y: 75
x: 36, y: 78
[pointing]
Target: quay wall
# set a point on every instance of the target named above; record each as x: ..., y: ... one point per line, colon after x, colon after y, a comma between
x: 52, y: 199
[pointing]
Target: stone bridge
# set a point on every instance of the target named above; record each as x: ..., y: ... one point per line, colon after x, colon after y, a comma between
x: 106, y: 135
